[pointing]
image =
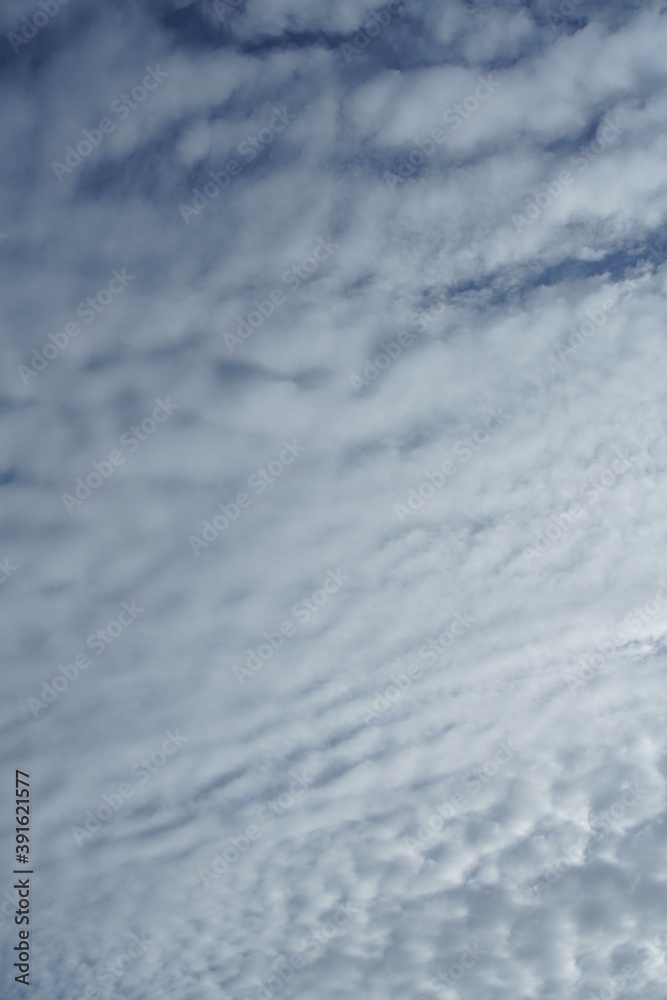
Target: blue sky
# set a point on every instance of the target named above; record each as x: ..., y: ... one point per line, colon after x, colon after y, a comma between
x: 334, y: 497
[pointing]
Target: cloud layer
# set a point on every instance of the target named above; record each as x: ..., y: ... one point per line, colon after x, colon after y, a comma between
x: 369, y: 303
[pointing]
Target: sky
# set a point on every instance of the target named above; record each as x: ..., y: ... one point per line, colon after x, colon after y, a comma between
x: 333, y: 481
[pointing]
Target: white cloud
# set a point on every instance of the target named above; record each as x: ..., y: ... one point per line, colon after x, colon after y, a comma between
x: 511, y: 297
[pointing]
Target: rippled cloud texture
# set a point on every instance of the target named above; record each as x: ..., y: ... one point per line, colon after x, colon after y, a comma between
x: 334, y: 494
